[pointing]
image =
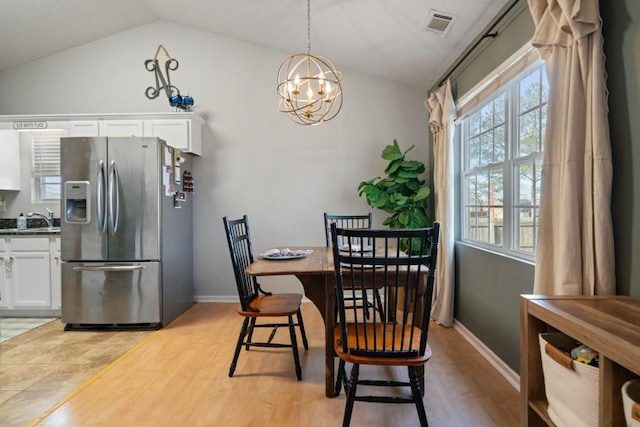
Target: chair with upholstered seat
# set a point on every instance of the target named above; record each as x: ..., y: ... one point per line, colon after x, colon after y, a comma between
x: 405, y: 279
x: 255, y: 303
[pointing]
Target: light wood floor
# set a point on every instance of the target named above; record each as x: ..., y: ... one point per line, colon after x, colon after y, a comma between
x: 178, y: 376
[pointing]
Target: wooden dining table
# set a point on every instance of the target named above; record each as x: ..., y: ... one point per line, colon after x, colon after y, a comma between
x: 316, y: 272
x: 317, y: 275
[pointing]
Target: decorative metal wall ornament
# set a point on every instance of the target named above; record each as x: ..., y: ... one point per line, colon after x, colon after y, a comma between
x: 309, y: 85
x: 162, y: 82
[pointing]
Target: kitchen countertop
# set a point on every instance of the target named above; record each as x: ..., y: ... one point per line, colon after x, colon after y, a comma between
x: 35, y: 227
x: 30, y: 231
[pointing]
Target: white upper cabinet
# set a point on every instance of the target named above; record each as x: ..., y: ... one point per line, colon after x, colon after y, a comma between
x: 84, y: 128
x: 180, y: 130
x: 183, y: 134
x: 9, y: 160
x: 121, y: 128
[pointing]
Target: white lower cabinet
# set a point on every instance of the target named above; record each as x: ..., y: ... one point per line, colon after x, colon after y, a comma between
x: 5, y: 262
x: 56, y: 269
x: 30, y: 273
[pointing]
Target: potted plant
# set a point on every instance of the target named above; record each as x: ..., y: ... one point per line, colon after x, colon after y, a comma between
x: 401, y: 193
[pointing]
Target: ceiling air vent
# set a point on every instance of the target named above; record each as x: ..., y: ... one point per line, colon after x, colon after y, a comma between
x: 439, y: 22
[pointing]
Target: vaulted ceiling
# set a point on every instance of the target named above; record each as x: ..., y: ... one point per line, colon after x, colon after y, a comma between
x: 399, y: 40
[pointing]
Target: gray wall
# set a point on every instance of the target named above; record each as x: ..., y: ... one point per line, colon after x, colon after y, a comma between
x: 621, y: 32
x: 488, y: 285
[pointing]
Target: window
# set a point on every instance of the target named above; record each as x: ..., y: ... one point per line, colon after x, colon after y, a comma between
x: 501, y: 169
x: 45, y: 168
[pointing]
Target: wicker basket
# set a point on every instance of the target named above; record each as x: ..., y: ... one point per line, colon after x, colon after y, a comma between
x: 571, y: 387
x: 631, y: 401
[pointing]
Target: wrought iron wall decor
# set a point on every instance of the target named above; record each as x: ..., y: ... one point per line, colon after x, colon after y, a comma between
x: 163, y: 81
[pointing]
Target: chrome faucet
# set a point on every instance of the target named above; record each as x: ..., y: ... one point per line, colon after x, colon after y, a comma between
x: 48, y: 218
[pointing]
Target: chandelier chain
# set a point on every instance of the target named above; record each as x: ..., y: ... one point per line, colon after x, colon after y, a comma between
x: 308, y: 27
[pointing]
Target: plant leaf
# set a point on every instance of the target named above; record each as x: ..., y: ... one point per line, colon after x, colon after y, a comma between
x: 392, y: 152
x: 401, y: 192
x: 393, y: 166
x: 404, y: 218
x: 422, y: 194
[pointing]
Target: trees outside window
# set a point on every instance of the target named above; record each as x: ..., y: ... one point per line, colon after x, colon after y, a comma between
x: 502, y: 166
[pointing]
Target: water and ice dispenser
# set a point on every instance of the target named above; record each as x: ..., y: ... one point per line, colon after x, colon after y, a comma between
x: 77, y: 202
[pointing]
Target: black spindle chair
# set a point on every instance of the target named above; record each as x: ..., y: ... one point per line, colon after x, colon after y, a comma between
x: 359, y: 299
x: 256, y: 303
x: 402, y: 267
x: 345, y: 221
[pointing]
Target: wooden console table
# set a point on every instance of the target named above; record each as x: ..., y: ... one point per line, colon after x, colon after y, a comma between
x: 609, y: 325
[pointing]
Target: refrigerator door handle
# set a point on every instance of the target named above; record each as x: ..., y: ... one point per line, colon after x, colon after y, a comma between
x: 100, y: 200
x: 108, y: 268
x: 114, y: 199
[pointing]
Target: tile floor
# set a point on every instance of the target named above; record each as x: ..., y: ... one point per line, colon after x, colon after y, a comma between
x: 42, y: 366
x: 13, y: 326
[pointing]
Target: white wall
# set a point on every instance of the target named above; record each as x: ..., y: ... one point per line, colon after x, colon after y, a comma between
x: 255, y: 160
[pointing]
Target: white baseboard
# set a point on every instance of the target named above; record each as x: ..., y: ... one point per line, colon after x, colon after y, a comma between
x: 217, y: 298
x: 509, y: 374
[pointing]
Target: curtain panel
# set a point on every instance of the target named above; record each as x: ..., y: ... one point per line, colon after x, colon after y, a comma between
x: 442, y: 113
x: 575, y: 254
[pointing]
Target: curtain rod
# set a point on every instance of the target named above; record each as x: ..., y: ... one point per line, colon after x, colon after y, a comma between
x: 487, y: 34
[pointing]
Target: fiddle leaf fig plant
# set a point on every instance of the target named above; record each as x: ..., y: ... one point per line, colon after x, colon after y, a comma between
x: 401, y: 192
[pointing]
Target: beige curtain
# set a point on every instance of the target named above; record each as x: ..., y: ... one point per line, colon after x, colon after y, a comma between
x: 442, y: 112
x: 575, y: 254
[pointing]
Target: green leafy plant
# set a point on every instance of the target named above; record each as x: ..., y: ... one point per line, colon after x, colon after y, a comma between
x: 401, y: 193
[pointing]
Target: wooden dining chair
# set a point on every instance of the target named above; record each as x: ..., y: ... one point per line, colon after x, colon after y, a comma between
x: 345, y: 221
x: 255, y: 303
x: 360, y: 299
x: 405, y: 282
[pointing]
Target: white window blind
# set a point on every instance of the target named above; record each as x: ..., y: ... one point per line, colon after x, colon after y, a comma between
x: 45, y: 156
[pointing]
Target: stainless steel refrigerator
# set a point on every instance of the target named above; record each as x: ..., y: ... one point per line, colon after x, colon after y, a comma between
x: 126, y: 233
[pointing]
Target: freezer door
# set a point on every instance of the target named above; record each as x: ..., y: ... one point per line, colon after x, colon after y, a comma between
x: 133, y: 198
x: 85, y: 159
x: 109, y: 294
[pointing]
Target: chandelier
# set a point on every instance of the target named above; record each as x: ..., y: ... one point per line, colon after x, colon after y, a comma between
x: 309, y: 85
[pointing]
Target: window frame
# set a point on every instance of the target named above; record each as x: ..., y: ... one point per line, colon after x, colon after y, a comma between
x: 511, y: 244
